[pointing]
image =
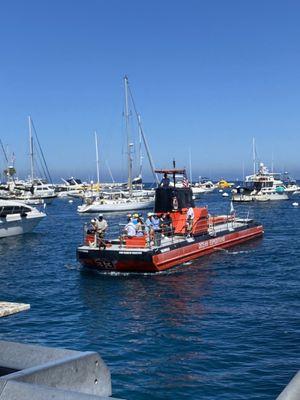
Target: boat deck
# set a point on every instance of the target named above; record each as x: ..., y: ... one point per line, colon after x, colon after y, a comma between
x: 166, y: 241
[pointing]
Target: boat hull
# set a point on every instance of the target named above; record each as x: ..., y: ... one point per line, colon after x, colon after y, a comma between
x: 160, y: 259
x: 116, y: 207
x: 17, y: 225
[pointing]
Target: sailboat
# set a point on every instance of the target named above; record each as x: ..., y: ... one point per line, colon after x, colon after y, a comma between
x: 34, y: 190
x: 118, y: 201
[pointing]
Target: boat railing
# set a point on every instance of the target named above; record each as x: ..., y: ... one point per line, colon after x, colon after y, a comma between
x: 153, y: 238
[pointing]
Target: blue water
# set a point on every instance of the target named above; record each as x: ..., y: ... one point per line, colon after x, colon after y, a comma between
x: 223, y: 327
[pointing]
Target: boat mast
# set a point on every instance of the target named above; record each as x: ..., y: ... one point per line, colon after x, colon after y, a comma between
x: 97, y: 158
x: 140, y: 147
x: 254, y: 156
x: 190, y: 160
x: 31, y: 148
x: 144, y: 139
x: 128, y: 136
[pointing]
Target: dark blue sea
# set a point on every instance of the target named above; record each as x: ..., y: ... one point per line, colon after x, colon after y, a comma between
x: 223, y: 327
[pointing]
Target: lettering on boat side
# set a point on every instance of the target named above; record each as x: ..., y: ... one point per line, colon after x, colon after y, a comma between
x: 130, y: 252
x: 211, y: 242
x: 105, y: 264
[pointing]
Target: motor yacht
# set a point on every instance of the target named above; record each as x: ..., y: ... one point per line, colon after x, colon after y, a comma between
x: 17, y: 218
x: 261, y: 186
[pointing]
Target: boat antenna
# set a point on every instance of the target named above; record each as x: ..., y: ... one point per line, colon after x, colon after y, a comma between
x: 128, y: 136
x: 97, y: 158
x: 144, y: 139
x: 272, y: 163
x: 174, y: 166
x: 254, y: 155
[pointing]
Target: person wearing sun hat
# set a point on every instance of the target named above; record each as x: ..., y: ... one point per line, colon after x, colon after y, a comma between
x: 135, y: 217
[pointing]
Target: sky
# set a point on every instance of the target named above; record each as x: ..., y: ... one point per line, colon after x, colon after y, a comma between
x: 206, y: 76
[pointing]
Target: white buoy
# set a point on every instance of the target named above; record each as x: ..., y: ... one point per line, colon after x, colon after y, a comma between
x: 221, y: 191
x: 225, y: 194
x: 70, y: 201
x: 295, y: 204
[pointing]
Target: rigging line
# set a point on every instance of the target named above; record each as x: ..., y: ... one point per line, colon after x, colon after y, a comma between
x: 144, y: 137
x: 41, y: 164
x: 38, y: 142
x: 4, y: 152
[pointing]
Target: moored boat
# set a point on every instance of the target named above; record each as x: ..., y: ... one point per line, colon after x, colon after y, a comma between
x: 17, y: 218
x: 176, y: 246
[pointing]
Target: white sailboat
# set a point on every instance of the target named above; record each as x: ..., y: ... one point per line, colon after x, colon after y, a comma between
x: 119, y: 201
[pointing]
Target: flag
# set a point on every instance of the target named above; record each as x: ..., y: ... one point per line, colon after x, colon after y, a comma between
x: 185, y: 182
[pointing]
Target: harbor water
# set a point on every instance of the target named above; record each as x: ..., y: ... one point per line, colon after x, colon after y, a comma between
x: 223, y: 327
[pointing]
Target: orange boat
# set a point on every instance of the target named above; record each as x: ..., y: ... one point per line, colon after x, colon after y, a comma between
x: 164, y: 249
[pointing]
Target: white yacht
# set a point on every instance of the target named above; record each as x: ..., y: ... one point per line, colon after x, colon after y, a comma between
x: 261, y: 186
x: 203, y: 186
x: 17, y: 218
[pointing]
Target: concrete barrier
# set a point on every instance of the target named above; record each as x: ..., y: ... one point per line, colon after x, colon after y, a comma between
x: 36, y: 373
x: 292, y: 390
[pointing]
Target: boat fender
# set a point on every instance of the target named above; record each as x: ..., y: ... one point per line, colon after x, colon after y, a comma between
x: 175, y: 203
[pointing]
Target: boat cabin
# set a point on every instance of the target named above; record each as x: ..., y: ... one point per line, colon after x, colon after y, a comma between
x: 177, y: 201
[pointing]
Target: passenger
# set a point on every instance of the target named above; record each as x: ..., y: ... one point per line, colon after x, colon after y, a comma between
x: 157, y: 229
x: 92, y: 228
x: 130, y: 228
x: 134, y: 218
x: 101, y: 226
x: 148, y: 222
x: 165, y: 182
x: 167, y: 224
x: 155, y: 222
x: 140, y: 227
x: 149, y: 227
x: 189, y: 221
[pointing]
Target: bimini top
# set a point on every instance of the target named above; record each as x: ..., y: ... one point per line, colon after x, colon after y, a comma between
x: 170, y: 171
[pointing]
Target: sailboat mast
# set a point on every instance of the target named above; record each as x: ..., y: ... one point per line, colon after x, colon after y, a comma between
x: 140, y: 147
x: 31, y: 148
x: 190, y: 160
x: 128, y: 136
x: 97, y: 158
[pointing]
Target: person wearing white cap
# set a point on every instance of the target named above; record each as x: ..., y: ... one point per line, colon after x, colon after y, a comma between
x: 130, y: 228
x: 101, y: 226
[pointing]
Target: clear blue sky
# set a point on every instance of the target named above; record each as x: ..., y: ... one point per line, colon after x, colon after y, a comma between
x: 208, y: 75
